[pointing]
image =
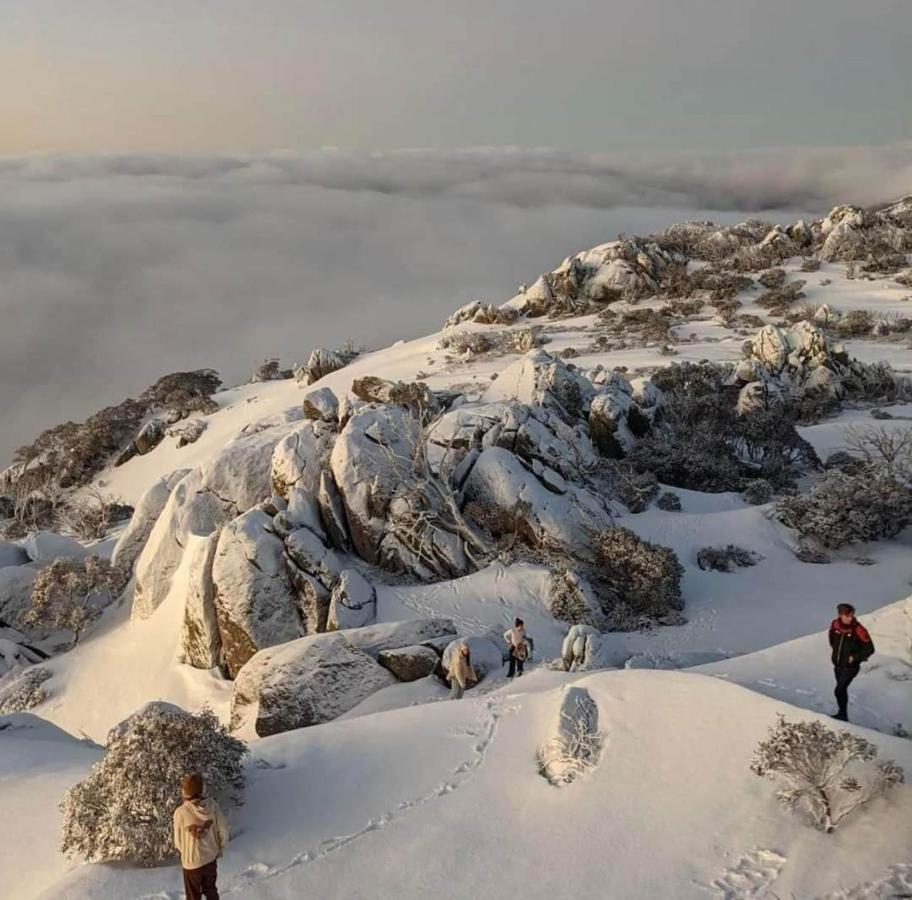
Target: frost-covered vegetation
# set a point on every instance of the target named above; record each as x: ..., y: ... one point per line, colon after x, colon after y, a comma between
x: 123, y: 809
x: 824, y: 773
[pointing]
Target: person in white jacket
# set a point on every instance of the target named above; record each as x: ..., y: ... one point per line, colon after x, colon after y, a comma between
x: 200, y: 836
x: 519, y: 645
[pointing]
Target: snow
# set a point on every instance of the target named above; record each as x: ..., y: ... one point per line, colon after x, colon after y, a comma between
x: 405, y: 792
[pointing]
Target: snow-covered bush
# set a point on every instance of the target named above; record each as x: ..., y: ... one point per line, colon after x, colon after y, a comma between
x: 668, y: 501
x: 883, y: 451
x: 726, y: 559
x: 635, y: 489
x: 825, y: 773
x: 270, y: 370
x: 847, y: 509
x: 637, y: 578
x: 123, y: 809
x: 572, y: 744
x: 89, y: 514
x: 758, y: 491
x: 25, y: 691
x: 772, y: 278
x: 71, y: 593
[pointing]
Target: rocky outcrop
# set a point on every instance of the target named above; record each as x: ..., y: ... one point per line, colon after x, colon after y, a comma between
x: 415, y: 396
x: 150, y: 506
x: 582, y: 648
x: 320, y: 363
x: 256, y: 604
x: 188, y: 431
x: 299, y: 457
x: 200, y: 640
x: 150, y: 436
x: 318, y: 678
x: 16, y: 591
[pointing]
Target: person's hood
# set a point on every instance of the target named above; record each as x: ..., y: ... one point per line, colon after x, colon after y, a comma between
x: 201, y: 810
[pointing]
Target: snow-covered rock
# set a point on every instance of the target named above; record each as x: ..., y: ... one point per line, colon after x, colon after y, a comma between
x: 187, y: 431
x: 572, y: 743
x: 191, y: 510
x: 582, y: 648
x: 353, y: 602
x: 409, y: 663
x: 200, y: 641
x: 12, y: 555
x: 311, y: 555
x: 16, y: 590
x: 241, y: 474
x: 320, y: 363
x: 148, y: 509
x: 608, y: 424
x: 150, y: 436
x: 299, y: 456
x: 303, y: 683
x: 321, y: 404
x: 255, y: 602
x: 501, y: 484
x: 46, y: 546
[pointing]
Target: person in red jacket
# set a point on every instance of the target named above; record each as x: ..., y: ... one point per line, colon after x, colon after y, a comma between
x: 851, y: 645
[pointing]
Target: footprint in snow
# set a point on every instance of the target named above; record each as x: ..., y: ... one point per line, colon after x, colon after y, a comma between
x: 754, y: 873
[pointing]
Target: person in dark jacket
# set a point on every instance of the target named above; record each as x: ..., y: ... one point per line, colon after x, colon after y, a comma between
x: 851, y: 645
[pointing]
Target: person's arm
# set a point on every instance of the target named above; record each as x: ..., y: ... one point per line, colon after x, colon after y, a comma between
x: 832, y: 634
x: 177, y: 845
x: 222, y: 825
x: 866, y: 645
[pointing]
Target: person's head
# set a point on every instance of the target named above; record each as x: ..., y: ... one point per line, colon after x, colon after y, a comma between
x: 846, y: 613
x: 518, y: 622
x: 191, y: 787
x: 464, y: 649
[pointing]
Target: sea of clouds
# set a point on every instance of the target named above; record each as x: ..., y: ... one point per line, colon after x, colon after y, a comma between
x: 115, y: 269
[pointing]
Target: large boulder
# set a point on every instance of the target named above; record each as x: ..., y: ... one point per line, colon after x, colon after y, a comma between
x: 608, y: 423
x: 191, y: 510
x: 506, y: 491
x: 255, y: 602
x: 150, y: 436
x: 321, y: 404
x: 369, y: 462
x: 150, y: 506
x: 299, y: 457
x: 200, y: 640
x: 241, y: 474
x: 319, y: 677
x: 311, y: 555
x: 320, y: 363
x: 415, y: 396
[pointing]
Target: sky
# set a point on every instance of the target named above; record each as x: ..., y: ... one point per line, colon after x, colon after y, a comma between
x: 214, y: 182
x: 215, y: 76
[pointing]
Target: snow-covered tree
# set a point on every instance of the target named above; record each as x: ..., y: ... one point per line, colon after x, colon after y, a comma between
x: 826, y: 773
x: 72, y: 593
x: 123, y: 810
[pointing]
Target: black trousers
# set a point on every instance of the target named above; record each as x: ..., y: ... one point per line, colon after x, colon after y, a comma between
x: 845, y: 675
x: 516, y: 665
x: 199, y: 883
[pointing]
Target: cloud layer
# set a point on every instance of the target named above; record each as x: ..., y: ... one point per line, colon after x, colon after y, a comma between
x: 115, y: 269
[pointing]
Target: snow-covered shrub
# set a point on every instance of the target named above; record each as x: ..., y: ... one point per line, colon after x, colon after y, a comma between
x: 855, y: 323
x: 810, y: 264
x: 882, y: 451
x: 25, y: 691
x: 123, y: 809
x: 669, y: 501
x: 758, y: 491
x: 847, y: 509
x: 772, y: 278
x: 71, y: 593
x: 270, y: 370
x: 90, y: 514
x: 635, y: 489
x: 572, y: 743
x: 635, y: 576
x: 726, y: 559
x: 825, y: 773
x: 778, y: 299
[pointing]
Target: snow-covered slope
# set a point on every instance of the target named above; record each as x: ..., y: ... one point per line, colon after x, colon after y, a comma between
x: 440, y: 799
x: 405, y: 794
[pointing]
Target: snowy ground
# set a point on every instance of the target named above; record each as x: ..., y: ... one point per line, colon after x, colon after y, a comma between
x: 412, y: 797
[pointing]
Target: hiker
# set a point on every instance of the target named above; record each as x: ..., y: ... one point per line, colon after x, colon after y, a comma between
x: 200, y: 836
x: 851, y: 645
x: 461, y: 673
x: 519, y: 645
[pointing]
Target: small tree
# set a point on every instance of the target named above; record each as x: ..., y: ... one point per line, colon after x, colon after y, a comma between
x: 71, y: 594
x: 123, y: 810
x: 828, y: 774
x: 90, y: 514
